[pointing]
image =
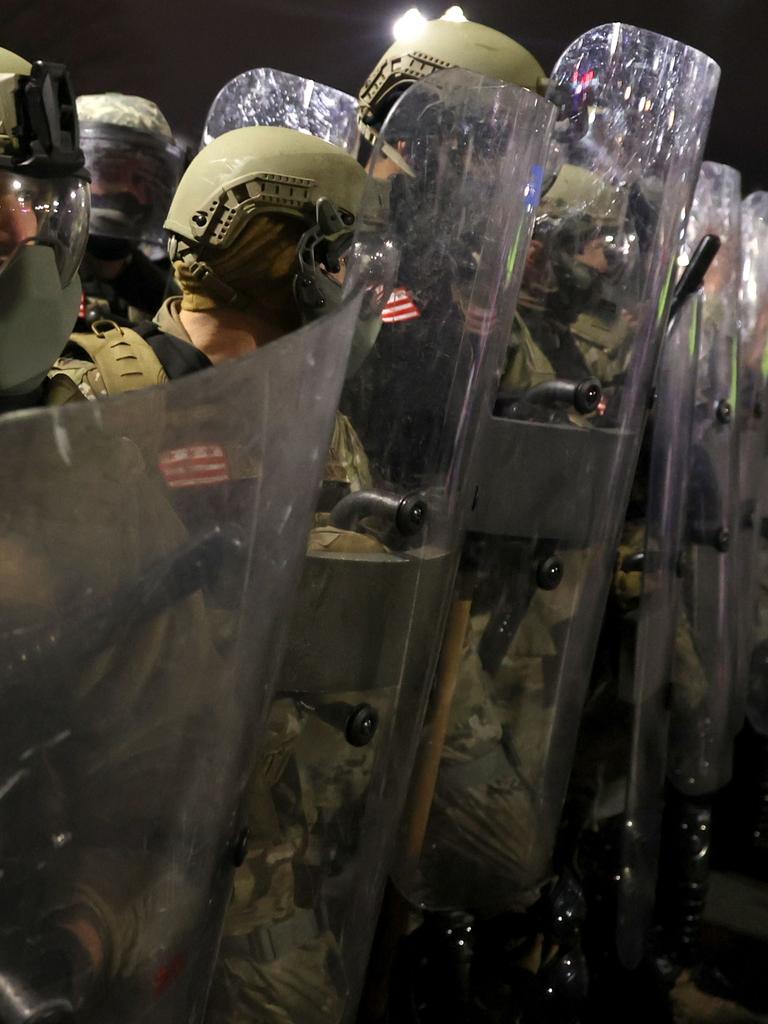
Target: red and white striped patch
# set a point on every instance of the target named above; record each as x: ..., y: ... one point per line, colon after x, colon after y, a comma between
x: 83, y: 305
x: 196, y: 466
x: 400, y: 307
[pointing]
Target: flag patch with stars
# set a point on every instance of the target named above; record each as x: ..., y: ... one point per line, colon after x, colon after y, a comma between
x: 195, y: 466
x: 400, y: 307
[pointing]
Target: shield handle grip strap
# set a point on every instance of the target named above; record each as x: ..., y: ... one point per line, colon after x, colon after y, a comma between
x: 692, y: 277
x: 584, y: 396
x: 407, y: 514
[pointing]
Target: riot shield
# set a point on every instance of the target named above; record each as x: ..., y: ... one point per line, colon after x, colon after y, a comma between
x: 704, y: 664
x: 151, y: 547
x: 752, y: 457
x: 264, y: 96
x: 649, y: 628
x: 550, y: 475
x: 382, y: 556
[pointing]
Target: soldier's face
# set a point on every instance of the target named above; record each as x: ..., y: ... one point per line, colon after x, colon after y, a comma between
x: 391, y: 161
x: 593, y: 255
x: 118, y: 176
x: 18, y: 219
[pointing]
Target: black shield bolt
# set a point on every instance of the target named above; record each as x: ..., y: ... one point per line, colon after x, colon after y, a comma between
x: 411, y: 515
x: 724, y: 412
x: 588, y: 396
x: 549, y: 573
x: 723, y: 539
x: 362, y: 724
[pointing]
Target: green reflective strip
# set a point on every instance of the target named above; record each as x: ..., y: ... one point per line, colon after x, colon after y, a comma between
x: 662, y: 307
x: 764, y: 361
x: 733, y: 397
x: 512, y: 257
x: 693, y: 331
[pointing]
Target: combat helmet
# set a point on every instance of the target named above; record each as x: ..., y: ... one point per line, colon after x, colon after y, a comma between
x: 246, y: 173
x: 446, y: 42
x: 135, y: 166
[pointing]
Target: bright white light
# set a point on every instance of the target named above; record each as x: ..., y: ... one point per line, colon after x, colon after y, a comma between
x: 409, y: 25
x: 16, y: 184
x: 454, y: 14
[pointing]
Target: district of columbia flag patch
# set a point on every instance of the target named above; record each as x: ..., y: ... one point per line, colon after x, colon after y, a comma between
x: 400, y: 307
x: 195, y: 466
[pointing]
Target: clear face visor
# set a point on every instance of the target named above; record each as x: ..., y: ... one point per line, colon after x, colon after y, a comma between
x: 44, y: 211
x: 133, y: 179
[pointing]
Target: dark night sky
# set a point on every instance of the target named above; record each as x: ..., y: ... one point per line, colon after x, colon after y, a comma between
x: 179, y: 54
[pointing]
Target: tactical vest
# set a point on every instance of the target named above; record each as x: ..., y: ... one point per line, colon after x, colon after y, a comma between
x: 120, y: 360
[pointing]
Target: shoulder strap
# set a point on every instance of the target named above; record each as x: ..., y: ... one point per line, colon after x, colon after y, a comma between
x: 125, y: 360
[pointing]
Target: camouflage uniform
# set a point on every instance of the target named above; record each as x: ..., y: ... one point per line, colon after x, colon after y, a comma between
x: 482, y: 825
x: 483, y: 822
x: 278, y: 961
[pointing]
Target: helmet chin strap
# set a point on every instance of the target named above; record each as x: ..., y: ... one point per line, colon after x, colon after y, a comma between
x: 202, y: 272
x: 397, y: 159
x: 311, y: 288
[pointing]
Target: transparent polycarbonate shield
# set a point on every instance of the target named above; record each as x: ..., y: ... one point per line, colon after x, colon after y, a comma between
x: 264, y: 96
x: 705, y: 659
x: 152, y: 544
x: 382, y: 556
x: 552, y: 468
x: 650, y: 628
x: 752, y: 450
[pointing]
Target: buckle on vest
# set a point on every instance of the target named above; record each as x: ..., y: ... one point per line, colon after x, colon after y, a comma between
x: 112, y: 327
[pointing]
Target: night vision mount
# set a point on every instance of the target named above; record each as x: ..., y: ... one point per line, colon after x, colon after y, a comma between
x: 38, y: 124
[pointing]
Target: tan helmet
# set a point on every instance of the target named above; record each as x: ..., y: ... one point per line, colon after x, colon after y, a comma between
x: 125, y: 111
x: 249, y: 172
x: 434, y: 46
x: 11, y: 65
x: 579, y: 190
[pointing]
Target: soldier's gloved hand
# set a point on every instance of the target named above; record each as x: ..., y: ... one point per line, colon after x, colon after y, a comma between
x: 43, y: 979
